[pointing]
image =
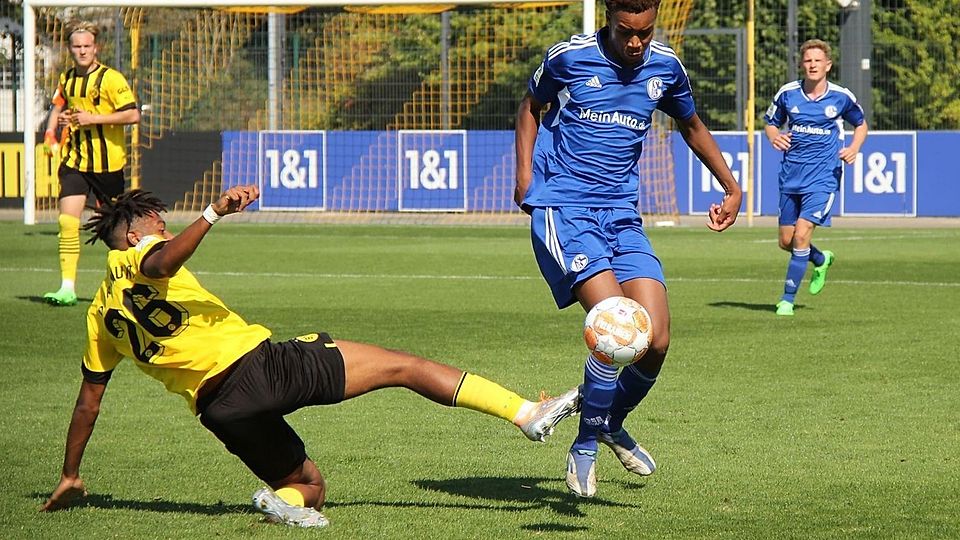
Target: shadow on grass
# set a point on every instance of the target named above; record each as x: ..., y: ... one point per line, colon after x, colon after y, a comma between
x: 107, y: 502
x: 41, y: 300
x: 771, y: 307
x: 518, y: 495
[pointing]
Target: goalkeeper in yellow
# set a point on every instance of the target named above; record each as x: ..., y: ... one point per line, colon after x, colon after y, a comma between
x: 151, y: 309
x: 92, y: 105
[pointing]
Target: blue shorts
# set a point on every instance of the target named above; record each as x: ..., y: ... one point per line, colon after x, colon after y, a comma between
x: 813, y: 207
x: 573, y: 243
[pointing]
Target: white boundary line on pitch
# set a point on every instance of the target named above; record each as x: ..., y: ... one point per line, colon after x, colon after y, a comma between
x: 821, y: 239
x: 481, y: 277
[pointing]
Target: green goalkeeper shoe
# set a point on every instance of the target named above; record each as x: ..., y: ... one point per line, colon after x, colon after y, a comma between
x: 819, y: 278
x: 63, y: 297
x: 785, y: 308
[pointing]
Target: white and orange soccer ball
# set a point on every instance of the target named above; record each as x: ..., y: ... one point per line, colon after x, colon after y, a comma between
x: 618, y: 331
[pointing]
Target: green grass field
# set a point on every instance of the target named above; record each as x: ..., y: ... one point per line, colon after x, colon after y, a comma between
x: 841, y: 422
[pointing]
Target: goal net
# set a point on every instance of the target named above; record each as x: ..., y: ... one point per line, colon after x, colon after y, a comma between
x: 349, y: 112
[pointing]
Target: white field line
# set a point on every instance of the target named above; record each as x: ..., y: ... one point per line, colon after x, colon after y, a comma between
x: 871, y: 238
x: 482, y: 277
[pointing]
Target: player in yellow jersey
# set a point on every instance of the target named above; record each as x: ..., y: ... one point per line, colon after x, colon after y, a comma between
x: 151, y: 309
x: 92, y: 105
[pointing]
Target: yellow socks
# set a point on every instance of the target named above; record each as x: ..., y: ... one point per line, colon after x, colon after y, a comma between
x: 69, y: 249
x: 475, y: 392
x: 291, y: 496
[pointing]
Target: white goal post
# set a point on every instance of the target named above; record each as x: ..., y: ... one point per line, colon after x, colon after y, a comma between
x: 30, y: 42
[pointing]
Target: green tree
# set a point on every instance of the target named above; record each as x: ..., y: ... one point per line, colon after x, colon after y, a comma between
x: 916, y: 58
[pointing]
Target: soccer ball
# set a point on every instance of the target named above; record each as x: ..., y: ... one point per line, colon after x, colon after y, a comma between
x: 618, y: 331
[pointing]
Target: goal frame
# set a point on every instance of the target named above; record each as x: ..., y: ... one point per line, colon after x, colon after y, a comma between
x: 30, y: 43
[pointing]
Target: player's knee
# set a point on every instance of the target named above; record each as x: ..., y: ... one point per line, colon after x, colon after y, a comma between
x: 659, y: 345
x: 400, y: 367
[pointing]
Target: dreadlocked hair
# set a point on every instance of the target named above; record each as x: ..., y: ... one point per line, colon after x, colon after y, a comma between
x: 631, y: 6
x: 122, y: 211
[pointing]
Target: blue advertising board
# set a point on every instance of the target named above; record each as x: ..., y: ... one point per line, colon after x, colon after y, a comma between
x: 432, y: 171
x: 896, y: 173
x: 291, y: 170
x: 703, y: 189
x: 883, y: 180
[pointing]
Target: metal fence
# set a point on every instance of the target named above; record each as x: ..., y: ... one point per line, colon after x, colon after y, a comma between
x: 898, y: 56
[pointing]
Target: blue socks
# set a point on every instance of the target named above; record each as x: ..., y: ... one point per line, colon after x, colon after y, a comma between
x: 599, y: 386
x: 795, y: 271
x: 632, y: 386
x: 816, y: 256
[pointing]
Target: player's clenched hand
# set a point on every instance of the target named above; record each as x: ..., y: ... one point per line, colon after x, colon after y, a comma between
x: 781, y: 141
x: 723, y: 215
x: 236, y: 199
x: 848, y: 155
x: 69, y: 490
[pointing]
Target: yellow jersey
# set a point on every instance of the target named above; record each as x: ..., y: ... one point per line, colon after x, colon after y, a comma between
x: 175, y: 330
x: 102, y: 147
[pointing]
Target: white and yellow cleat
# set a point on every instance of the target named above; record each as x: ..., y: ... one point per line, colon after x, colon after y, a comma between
x: 582, y: 473
x: 632, y: 456
x: 276, y: 510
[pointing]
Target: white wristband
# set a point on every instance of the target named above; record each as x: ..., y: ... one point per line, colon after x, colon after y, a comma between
x: 211, y: 215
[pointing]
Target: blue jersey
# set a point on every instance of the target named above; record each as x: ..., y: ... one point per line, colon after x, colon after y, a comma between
x: 600, y: 112
x: 812, y: 163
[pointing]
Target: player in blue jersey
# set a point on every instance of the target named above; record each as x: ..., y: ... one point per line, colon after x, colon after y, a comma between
x: 577, y: 177
x: 813, y: 110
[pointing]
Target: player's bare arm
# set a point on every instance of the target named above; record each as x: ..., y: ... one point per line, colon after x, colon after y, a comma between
x: 528, y: 122
x: 164, y: 261
x: 849, y: 154
x: 84, y: 418
x: 699, y: 139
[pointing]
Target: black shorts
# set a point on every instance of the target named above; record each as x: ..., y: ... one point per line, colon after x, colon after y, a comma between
x: 246, y: 411
x: 105, y: 186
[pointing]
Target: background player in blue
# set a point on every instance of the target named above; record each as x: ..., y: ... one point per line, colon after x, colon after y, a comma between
x: 577, y: 177
x: 814, y: 110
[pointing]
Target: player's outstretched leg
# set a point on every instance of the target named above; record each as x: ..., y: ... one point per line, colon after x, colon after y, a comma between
x: 819, y: 277
x: 547, y: 413
x: 369, y: 367
x: 276, y: 510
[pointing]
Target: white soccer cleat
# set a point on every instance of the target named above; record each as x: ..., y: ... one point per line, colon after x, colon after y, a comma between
x: 582, y: 473
x: 632, y: 456
x: 548, y: 413
x: 276, y: 510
